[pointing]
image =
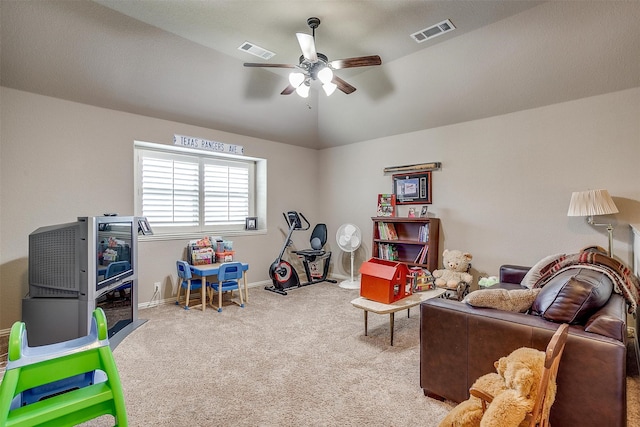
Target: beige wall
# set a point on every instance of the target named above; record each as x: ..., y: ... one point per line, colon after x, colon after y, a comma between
x: 504, y: 187
x: 61, y: 160
x: 502, y: 192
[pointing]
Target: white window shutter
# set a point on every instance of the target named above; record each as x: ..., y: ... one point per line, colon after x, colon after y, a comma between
x: 194, y: 193
x: 170, y: 195
x: 226, y: 194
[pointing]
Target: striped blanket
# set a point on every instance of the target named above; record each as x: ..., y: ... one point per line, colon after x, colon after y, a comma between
x: 624, y: 281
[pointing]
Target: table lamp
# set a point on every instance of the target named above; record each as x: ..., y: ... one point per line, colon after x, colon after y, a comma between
x: 590, y: 203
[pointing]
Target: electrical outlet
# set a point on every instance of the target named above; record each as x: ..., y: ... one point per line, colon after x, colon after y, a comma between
x: 156, y: 288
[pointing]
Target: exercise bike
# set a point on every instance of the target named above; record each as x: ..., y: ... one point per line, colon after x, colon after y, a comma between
x: 282, y: 273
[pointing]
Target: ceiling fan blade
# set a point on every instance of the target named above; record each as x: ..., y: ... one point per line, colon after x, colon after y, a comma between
x: 308, y: 46
x: 342, y: 85
x: 361, y: 61
x: 288, y: 90
x: 256, y: 64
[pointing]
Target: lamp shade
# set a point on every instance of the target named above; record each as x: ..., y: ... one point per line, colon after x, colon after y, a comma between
x: 296, y: 79
x: 329, y: 88
x: 592, y: 202
x: 303, y: 90
x: 325, y: 75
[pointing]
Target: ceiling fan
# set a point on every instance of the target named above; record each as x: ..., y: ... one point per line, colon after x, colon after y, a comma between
x: 314, y: 65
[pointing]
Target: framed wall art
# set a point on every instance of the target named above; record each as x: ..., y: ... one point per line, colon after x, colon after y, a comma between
x: 251, y: 223
x: 412, y: 188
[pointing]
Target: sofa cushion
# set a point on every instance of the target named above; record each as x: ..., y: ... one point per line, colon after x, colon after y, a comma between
x: 518, y: 300
x: 573, y: 295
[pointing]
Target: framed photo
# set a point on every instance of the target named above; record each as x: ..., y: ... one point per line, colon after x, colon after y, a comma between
x: 423, y: 211
x: 251, y: 223
x: 412, y: 188
x: 386, y: 205
x: 144, y: 227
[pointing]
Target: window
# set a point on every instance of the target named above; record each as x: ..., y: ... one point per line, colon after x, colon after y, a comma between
x: 183, y: 191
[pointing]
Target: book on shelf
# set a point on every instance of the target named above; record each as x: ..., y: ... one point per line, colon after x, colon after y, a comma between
x: 387, y: 252
x: 386, y: 205
x: 423, y: 233
x: 391, y: 231
x: 387, y: 231
x: 422, y: 255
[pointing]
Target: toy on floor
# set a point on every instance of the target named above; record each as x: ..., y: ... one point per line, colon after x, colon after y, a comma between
x: 62, y: 384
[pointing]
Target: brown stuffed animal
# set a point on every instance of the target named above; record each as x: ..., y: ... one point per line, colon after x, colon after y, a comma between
x: 514, y: 387
x: 469, y: 412
x: 522, y: 371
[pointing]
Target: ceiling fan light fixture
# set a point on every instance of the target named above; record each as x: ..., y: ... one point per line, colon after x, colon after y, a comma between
x: 325, y: 75
x: 296, y: 78
x: 329, y: 88
x: 313, y: 65
x: 303, y: 90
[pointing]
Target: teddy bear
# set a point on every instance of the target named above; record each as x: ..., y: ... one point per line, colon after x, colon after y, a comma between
x: 469, y: 413
x: 522, y: 371
x: 455, y: 269
x: 514, y: 387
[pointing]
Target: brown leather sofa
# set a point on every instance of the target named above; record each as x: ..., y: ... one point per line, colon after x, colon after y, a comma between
x: 459, y: 343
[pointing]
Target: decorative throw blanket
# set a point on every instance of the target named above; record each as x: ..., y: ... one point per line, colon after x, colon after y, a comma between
x: 624, y: 281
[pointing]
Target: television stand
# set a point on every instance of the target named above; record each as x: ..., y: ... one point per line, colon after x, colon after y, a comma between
x: 53, y: 320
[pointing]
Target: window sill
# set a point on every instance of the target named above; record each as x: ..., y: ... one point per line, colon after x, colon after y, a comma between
x: 192, y: 235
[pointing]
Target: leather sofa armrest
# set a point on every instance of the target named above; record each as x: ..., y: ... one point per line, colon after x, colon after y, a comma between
x: 513, y: 273
x: 610, y: 319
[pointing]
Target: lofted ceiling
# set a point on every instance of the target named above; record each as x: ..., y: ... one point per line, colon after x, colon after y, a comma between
x: 179, y: 60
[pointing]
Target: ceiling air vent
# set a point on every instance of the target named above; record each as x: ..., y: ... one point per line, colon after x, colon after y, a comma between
x: 433, y: 31
x: 256, y: 50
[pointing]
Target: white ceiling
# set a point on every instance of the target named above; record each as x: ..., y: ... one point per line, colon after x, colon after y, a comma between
x: 178, y: 60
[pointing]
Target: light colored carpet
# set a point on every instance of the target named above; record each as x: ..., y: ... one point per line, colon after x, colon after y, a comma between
x: 295, y: 360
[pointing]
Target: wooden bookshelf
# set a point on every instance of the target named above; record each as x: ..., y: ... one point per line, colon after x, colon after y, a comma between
x: 403, y: 234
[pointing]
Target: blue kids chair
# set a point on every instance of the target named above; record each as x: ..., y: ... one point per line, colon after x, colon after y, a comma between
x: 228, y: 275
x: 186, y: 282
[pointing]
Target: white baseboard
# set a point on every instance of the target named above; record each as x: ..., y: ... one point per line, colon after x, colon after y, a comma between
x: 172, y: 300
x: 156, y: 303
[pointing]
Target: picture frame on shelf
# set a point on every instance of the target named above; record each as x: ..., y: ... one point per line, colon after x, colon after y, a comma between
x: 412, y: 188
x: 251, y: 223
x: 386, y: 205
x: 423, y: 211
